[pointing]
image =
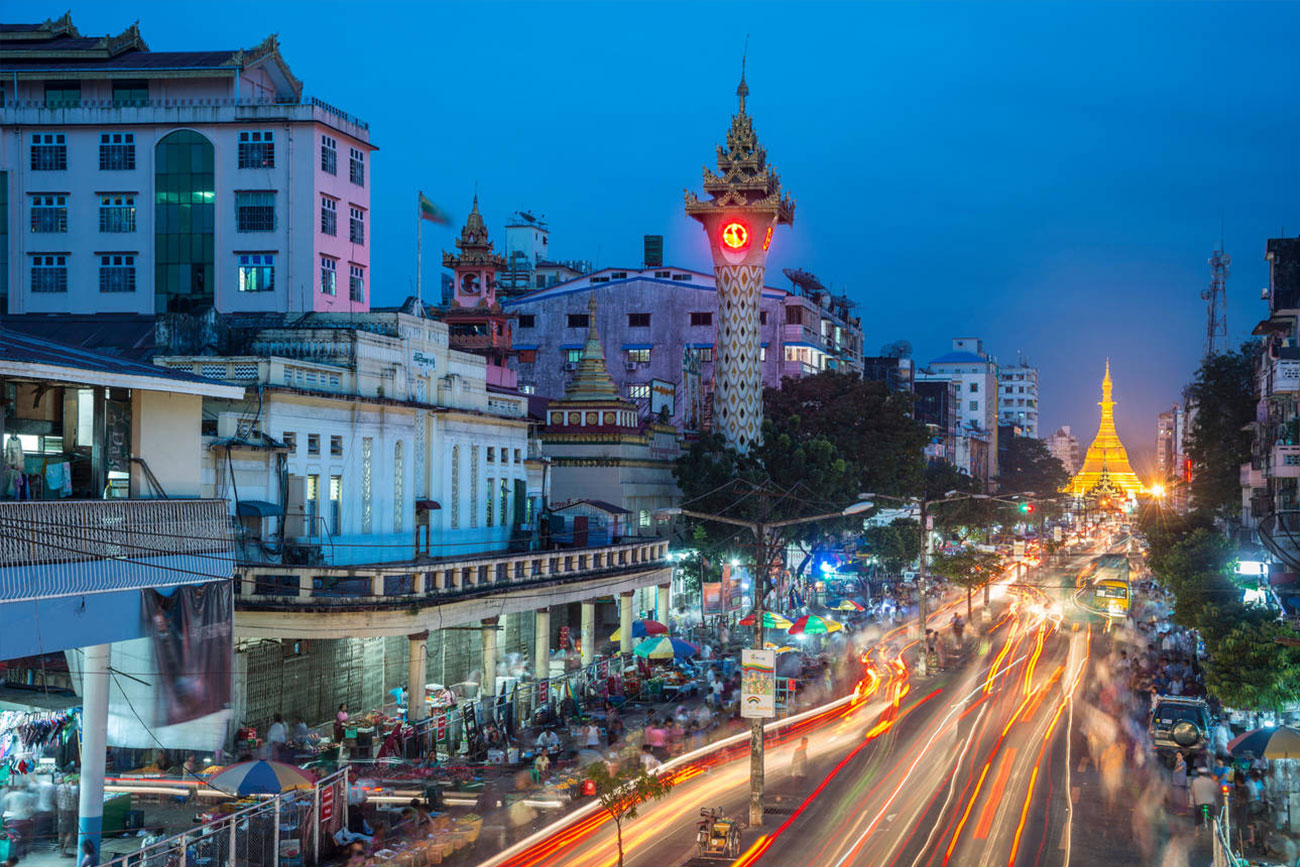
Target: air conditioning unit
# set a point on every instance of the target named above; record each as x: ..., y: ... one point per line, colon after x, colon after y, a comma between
x: 631, y: 365
x: 570, y: 365
x: 295, y: 509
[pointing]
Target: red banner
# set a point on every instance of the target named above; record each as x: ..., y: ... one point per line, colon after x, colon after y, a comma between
x: 326, y: 804
x: 543, y: 690
x: 442, y: 726
x: 564, y: 638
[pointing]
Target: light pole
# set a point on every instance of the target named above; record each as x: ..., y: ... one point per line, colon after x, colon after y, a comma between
x: 762, y: 531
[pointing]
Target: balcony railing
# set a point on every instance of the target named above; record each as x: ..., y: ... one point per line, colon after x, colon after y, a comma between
x: 76, y: 547
x: 404, y: 584
x: 210, y: 109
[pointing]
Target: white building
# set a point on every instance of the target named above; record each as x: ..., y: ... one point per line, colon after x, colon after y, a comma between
x: 976, y: 375
x: 356, y: 428
x: 1064, y: 446
x: 1018, y: 397
x: 137, y: 181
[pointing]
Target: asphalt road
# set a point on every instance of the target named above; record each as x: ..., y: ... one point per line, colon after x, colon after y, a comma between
x: 984, y: 763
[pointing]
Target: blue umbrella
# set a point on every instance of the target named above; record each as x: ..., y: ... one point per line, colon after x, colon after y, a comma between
x: 664, y: 647
x: 260, y: 778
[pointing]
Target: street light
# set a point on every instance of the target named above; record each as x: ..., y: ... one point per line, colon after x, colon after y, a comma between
x: 762, y: 531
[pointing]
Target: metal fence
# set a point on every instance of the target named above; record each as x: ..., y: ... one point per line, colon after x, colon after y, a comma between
x: 73, y: 547
x: 1224, y: 856
x: 295, y: 829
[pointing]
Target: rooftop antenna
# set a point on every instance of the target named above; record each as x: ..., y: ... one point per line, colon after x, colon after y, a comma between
x: 1216, y: 300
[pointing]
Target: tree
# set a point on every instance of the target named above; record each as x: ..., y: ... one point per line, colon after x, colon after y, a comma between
x: 620, y: 793
x: 969, y: 569
x: 1218, y: 441
x: 1025, y: 464
x: 872, y: 428
x: 895, y: 544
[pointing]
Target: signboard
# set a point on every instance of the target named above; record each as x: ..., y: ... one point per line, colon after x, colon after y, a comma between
x: 564, y: 638
x: 1286, y: 376
x: 326, y: 805
x: 758, y: 684
x: 1057, y: 534
x: 663, y: 396
x: 1018, y: 548
x: 543, y: 691
x: 442, y: 726
x: 712, y: 591
x: 423, y: 360
x: 732, y: 591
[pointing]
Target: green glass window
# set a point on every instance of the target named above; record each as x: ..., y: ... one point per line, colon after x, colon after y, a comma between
x: 184, y: 222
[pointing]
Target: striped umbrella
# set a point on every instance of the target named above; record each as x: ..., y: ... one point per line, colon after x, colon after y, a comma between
x: 665, y: 647
x: 1278, y: 742
x: 641, y: 629
x: 849, y: 605
x: 813, y: 624
x: 261, y: 778
x: 771, y: 620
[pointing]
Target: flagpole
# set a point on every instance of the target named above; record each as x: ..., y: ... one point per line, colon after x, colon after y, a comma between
x: 419, y: 256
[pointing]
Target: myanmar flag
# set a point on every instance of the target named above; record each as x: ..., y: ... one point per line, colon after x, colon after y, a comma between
x: 430, y: 211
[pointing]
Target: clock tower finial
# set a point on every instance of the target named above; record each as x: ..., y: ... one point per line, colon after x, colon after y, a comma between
x: 742, y: 90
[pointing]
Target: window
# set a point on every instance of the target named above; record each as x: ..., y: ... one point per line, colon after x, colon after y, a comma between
x: 491, y: 455
x: 336, y: 446
x: 336, y: 504
x: 618, y: 275
x: 541, y: 281
x: 117, y: 213
x: 328, y: 276
x: 516, y: 455
x: 974, y: 388
x: 329, y: 216
x: 356, y: 225
x: 491, y: 491
x: 703, y: 353
x: 357, y: 167
x: 313, y: 502
x: 638, y: 390
x: 663, y: 275
x: 116, y: 151
x: 257, y: 272
x: 762, y: 353
x: 117, y: 273
x: 527, y: 356
x: 184, y: 221
x: 505, y: 493
x: 313, y: 444
x: 638, y: 356
x: 49, y: 273
x: 527, y: 320
x: 291, y: 442
x: 49, y: 152
x: 578, y: 320
x: 974, y: 406
x: 638, y: 320
x: 573, y: 356
x: 455, y: 487
x: 762, y: 317
x: 130, y: 91
x: 701, y: 318
x: 62, y: 94
x: 794, y: 315
x: 255, y: 212
x: 257, y: 150
x: 643, y: 517
x: 329, y: 155
x: 356, y: 283
x: 49, y: 213
x: 682, y: 277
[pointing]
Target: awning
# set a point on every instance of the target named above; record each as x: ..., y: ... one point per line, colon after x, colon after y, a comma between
x: 426, y: 505
x: 257, y: 509
x: 638, y: 346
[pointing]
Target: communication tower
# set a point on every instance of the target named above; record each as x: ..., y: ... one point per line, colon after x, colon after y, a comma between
x: 1216, y: 302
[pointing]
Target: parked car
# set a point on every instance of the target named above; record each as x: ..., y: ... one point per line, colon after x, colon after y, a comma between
x: 1180, y: 723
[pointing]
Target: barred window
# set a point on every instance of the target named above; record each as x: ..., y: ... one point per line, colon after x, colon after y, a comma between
x: 49, y: 273
x: 356, y: 283
x: 255, y: 212
x: 357, y: 166
x: 257, y: 150
x: 49, y: 213
x: 329, y: 155
x: 117, y: 273
x: 638, y: 390
x: 256, y: 272
x: 116, y: 213
x: 329, y: 276
x: 49, y: 152
x: 356, y: 225
x: 116, y: 151
x: 329, y: 216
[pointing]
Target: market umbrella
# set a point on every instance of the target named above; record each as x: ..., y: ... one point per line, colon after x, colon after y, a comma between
x: 261, y: 778
x: 813, y: 624
x: 641, y: 629
x: 768, y: 645
x: 849, y: 605
x: 1278, y: 742
x: 665, y: 647
x: 771, y: 620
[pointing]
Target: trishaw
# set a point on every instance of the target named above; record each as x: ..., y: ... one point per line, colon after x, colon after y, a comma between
x: 717, y: 836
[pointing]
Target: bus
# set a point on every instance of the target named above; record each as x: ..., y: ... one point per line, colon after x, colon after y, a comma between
x: 1103, y: 586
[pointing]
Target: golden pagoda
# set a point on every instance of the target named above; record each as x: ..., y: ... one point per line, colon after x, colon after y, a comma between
x: 1107, y: 461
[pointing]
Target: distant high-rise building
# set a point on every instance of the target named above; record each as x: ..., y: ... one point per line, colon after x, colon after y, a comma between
x: 1064, y: 446
x: 976, y: 375
x: 1018, y: 397
x: 1167, y: 444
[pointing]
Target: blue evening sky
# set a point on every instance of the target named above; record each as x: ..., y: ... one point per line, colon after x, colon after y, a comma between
x: 1050, y: 177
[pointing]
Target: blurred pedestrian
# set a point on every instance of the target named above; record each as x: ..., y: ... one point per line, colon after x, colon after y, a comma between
x: 66, y: 801
x: 799, y: 762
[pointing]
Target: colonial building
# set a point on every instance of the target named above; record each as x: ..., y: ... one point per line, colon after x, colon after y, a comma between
x: 135, y: 181
x: 600, y: 450
x: 475, y: 321
x: 660, y: 331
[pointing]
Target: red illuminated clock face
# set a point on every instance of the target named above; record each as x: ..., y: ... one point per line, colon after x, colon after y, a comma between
x: 735, y: 236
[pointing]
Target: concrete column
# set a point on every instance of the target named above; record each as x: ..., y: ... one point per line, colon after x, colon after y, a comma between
x: 588, y: 632
x: 488, y: 631
x: 661, y: 604
x: 417, y: 676
x: 94, y: 743
x: 625, y: 621
x: 542, y: 643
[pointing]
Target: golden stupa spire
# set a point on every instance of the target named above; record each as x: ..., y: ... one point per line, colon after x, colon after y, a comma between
x: 1107, y: 459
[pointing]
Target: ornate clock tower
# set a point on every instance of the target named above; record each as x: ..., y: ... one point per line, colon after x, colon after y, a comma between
x: 744, y: 206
